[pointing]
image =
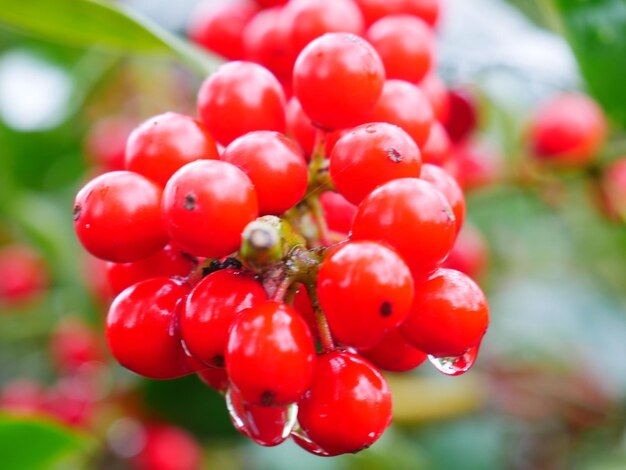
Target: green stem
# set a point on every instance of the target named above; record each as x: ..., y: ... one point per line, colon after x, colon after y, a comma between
x: 320, y: 319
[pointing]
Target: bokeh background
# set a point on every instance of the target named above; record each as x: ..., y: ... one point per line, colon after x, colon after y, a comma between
x: 549, y: 388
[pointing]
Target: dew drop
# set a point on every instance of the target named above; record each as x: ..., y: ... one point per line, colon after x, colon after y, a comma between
x: 370, y: 129
x: 455, y: 365
x: 300, y: 438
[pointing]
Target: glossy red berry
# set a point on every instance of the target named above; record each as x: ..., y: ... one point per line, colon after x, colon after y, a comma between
x: 436, y: 150
x: 338, y: 211
x: 394, y: 353
x: 406, y: 46
x: 470, y: 253
x: 450, y: 314
x: 338, y: 79
x: 171, y: 261
x: 435, y: 90
x: 370, y: 155
x: 444, y: 182
x: 168, y: 448
x: 275, y: 165
x: 405, y: 105
x: 210, y: 310
x: 142, y: 331
x: 219, y: 28
x: 241, y: 97
x: 568, y: 130
x: 462, y: 115
x: 348, y: 406
x: 270, y: 355
x: 373, y: 10
x: 365, y: 289
x: 117, y: 217
x: 215, y: 377
x: 413, y: 217
x: 164, y: 143
x: 23, y: 274
x: 206, y: 206
x: 105, y: 144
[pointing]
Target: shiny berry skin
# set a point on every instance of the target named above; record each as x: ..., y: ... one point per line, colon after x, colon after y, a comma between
x: 210, y: 310
x: 142, y: 332
x: 448, y: 186
x: 73, y: 344
x: 462, y: 115
x: 405, y: 105
x: 338, y: 79
x: 219, y: 29
x: 168, y: 448
x: 406, y: 46
x: 275, y: 165
x: 171, y: 261
x: 365, y: 289
x: 394, y: 353
x: 23, y: 274
x: 105, y: 143
x: 568, y: 130
x: 164, y: 143
x: 338, y: 211
x: 373, y: 10
x: 435, y: 90
x: 270, y: 355
x: 299, y: 126
x: 345, y: 389
x: 413, y: 217
x: 470, y: 253
x: 450, y: 314
x: 370, y: 155
x: 117, y: 217
x: 474, y: 165
x: 206, y: 205
x: 437, y: 149
x: 270, y: 3
x: 241, y: 97
x: 309, y: 19
x: 214, y: 377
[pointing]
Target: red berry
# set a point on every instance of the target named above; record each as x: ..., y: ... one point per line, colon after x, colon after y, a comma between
x: 270, y: 355
x: 302, y: 304
x: 437, y: 93
x: 365, y: 289
x: 405, y: 44
x: 462, y: 116
x: 448, y: 186
x: 568, y: 130
x: 405, y: 105
x: 436, y: 150
x: 142, y: 331
x: 373, y: 10
x: 450, y: 314
x: 348, y: 406
x: 74, y: 344
x: 394, y: 353
x: 275, y: 165
x: 214, y: 377
x: 206, y: 206
x: 210, y: 310
x: 164, y: 143
x: 338, y: 79
x: 105, y: 144
x: 270, y: 3
x: 117, y: 217
x: 241, y: 97
x: 168, y: 448
x: 428, y: 10
x: 370, y: 155
x: 219, y: 28
x: 338, y: 211
x: 470, y: 253
x: 23, y: 274
x: 22, y: 396
x: 413, y: 217
x: 474, y: 165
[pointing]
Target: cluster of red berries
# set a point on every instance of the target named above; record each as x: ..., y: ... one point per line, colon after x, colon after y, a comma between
x: 217, y: 241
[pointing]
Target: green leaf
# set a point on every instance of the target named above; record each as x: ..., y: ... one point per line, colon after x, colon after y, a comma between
x: 100, y: 24
x: 34, y: 444
x: 596, y: 30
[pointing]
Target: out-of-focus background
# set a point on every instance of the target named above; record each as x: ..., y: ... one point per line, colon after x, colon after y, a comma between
x: 549, y: 388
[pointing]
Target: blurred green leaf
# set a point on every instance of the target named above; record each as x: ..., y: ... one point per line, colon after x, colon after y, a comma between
x: 596, y: 30
x: 33, y: 444
x: 100, y: 24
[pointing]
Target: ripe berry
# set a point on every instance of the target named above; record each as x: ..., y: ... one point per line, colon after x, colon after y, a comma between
x: 405, y: 44
x: 394, y: 353
x: 214, y: 377
x: 23, y: 274
x: 474, y: 165
x: 405, y: 105
x: 164, y: 143
x: 373, y: 10
x: 338, y: 212
x: 168, y: 448
x: 105, y: 143
x: 413, y: 217
x: 370, y: 155
x: 117, y: 217
x: 448, y: 186
x: 23, y: 396
x: 275, y: 165
x: 568, y: 130
x: 338, y: 79
x: 436, y: 150
x: 241, y: 97
x: 270, y: 355
x: 470, y: 253
x: 348, y: 406
x: 206, y: 206
x: 219, y: 28
x: 74, y: 344
x: 462, y: 115
x: 449, y: 315
x: 365, y: 289
x: 210, y: 310
x: 171, y: 261
x: 142, y: 331
x: 435, y: 90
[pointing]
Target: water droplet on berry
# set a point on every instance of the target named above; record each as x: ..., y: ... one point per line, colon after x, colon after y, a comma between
x: 371, y: 129
x: 76, y: 213
x: 455, y: 365
x: 300, y: 438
